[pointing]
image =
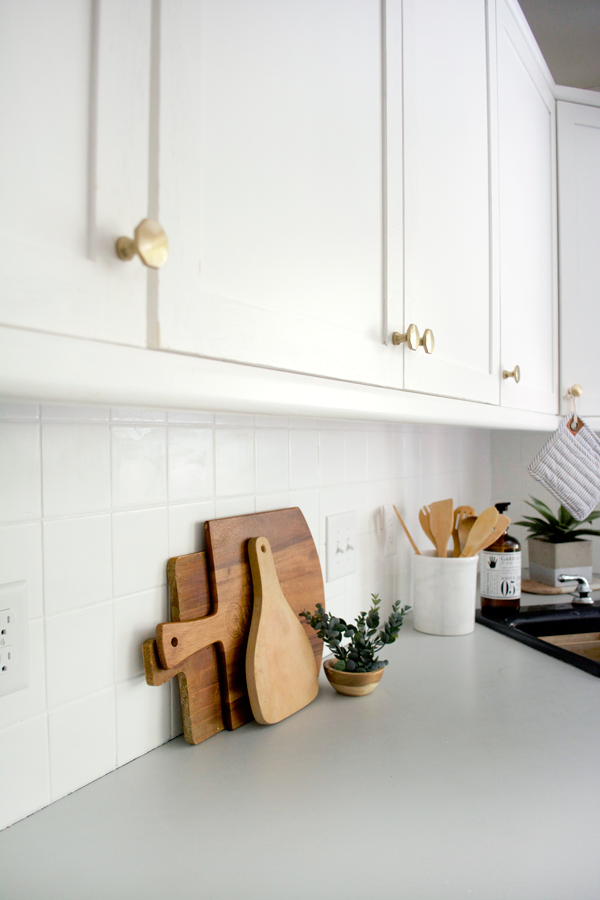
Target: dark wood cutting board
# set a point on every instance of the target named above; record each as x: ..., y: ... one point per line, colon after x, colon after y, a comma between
x: 216, y: 643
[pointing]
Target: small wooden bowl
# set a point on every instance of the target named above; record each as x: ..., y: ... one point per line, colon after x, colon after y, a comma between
x: 353, y: 684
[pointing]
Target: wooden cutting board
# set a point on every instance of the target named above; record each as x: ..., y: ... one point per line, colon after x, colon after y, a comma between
x: 280, y: 665
x: 210, y: 652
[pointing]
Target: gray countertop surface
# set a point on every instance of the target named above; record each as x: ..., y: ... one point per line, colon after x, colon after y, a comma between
x: 470, y: 772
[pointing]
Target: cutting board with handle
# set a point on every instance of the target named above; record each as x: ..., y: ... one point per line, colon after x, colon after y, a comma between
x: 222, y: 635
x: 280, y: 664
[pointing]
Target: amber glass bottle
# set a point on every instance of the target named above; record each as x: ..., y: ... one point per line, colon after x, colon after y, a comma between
x: 500, y: 571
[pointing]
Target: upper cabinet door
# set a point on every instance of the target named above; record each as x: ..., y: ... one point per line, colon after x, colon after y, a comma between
x: 579, y: 228
x: 271, y: 185
x: 74, y: 114
x: 447, y: 280
x: 527, y: 221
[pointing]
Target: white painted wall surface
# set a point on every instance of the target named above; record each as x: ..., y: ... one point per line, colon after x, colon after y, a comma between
x: 94, y: 502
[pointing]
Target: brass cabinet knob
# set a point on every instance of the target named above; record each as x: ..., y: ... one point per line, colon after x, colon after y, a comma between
x: 149, y: 242
x: 411, y: 337
x: 516, y: 374
x: 575, y: 391
x: 427, y: 342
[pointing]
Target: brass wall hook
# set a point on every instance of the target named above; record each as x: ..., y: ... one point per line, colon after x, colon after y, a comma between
x: 149, y: 242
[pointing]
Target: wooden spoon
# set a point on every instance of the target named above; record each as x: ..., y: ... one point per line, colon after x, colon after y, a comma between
x: 441, y: 524
x: 499, y: 529
x: 424, y: 522
x: 407, y: 533
x: 464, y: 530
x: 460, y: 513
x: 482, y: 529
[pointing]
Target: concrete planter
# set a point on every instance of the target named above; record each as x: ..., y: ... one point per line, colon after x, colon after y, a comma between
x: 547, y: 561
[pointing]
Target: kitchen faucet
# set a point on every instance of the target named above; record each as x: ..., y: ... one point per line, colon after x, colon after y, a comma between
x: 584, y: 592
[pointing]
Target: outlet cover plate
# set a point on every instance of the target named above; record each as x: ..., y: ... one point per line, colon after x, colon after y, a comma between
x: 341, y: 545
x: 14, y: 637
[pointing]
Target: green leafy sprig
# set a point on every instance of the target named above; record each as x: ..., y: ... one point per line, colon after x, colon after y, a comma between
x: 556, y: 529
x: 359, y: 655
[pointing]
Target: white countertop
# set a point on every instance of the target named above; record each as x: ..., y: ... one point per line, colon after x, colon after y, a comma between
x: 470, y: 772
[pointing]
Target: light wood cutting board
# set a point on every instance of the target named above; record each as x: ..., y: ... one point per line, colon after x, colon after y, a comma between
x: 210, y: 651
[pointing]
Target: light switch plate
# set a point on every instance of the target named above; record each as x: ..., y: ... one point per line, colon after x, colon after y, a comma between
x: 14, y: 637
x: 341, y: 545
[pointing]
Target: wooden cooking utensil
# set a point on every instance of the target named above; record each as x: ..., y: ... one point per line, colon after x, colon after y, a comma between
x: 499, y: 529
x: 280, y: 665
x: 482, y: 528
x: 407, y: 533
x: 424, y: 523
x: 464, y: 530
x: 441, y: 524
x: 460, y: 513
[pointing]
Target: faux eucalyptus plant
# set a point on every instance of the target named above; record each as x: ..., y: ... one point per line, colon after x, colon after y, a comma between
x: 559, y: 529
x: 359, y: 655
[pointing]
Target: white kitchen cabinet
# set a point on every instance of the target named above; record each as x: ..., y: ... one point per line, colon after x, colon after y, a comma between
x: 74, y: 119
x: 527, y: 239
x: 271, y: 186
x: 579, y: 242
x: 447, y: 280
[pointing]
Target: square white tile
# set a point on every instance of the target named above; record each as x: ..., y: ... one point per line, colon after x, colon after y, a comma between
x: 190, y: 417
x: 272, y: 460
x: 139, y: 466
x: 24, y: 771
x: 268, y: 502
x: 332, y: 456
x: 129, y: 414
x: 20, y: 468
x: 186, y: 526
x: 76, y: 469
x: 79, y: 653
x: 77, y: 562
x: 23, y: 412
x: 83, y: 744
x: 21, y: 560
x: 355, y: 452
x: 72, y: 413
x: 308, y: 502
x: 136, y: 618
x: 235, y: 506
x: 304, y: 459
x: 143, y: 718
x: 191, y: 464
x: 234, y: 460
x: 31, y: 701
x: 140, y: 550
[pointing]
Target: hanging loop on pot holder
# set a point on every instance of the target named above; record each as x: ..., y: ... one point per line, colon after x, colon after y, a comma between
x: 568, y: 466
x: 575, y: 423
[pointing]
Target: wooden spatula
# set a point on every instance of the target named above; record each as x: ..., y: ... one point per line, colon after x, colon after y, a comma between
x: 280, y: 664
x: 460, y: 513
x: 441, y: 524
x: 499, y: 529
x: 424, y: 522
x: 482, y: 529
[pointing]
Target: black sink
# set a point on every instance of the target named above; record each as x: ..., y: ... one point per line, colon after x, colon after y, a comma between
x: 532, y: 624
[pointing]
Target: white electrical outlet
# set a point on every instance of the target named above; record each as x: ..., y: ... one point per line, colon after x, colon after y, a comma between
x: 389, y: 530
x: 14, y: 637
x: 341, y: 545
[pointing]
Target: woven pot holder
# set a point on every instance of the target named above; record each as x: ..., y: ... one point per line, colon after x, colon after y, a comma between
x: 568, y: 465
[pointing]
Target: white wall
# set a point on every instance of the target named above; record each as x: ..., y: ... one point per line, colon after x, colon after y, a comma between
x: 94, y: 502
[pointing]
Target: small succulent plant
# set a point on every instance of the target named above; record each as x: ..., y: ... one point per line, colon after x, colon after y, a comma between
x: 359, y: 655
x: 556, y: 529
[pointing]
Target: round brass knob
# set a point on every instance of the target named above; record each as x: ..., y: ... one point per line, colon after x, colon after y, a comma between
x: 575, y: 390
x: 149, y: 242
x: 411, y: 337
x: 516, y: 374
x: 427, y: 342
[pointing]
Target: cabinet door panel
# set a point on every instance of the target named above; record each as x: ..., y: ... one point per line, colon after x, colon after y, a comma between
x: 579, y: 228
x: 273, y: 203
x: 446, y: 187
x: 74, y: 107
x: 527, y: 214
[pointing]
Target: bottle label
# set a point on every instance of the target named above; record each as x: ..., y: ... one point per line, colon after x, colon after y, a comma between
x: 500, y: 577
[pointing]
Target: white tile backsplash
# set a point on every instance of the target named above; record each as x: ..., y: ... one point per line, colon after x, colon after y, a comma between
x: 77, y: 562
x: 125, y: 489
